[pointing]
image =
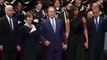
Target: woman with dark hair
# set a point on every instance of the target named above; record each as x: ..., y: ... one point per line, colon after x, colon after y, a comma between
x: 57, y: 6
x: 29, y: 39
x: 78, y: 38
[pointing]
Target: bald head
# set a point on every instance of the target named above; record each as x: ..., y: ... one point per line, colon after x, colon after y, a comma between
x: 9, y: 10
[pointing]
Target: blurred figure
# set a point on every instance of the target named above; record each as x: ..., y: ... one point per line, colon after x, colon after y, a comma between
x: 29, y: 39
x: 38, y: 13
x: 19, y: 13
x: 57, y: 7
x: 53, y: 36
x: 94, y: 6
x: 78, y: 38
x: 81, y: 7
x: 90, y: 14
x: 96, y: 28
x: 65, y: 16
x: 2, y: 6
x: 9, y: 35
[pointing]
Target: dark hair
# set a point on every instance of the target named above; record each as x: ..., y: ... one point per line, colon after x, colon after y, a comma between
x: 29, y: 14
x: 38, y: 2
x: 18, y: 2
x: 56, y: 0
x: 72, y: 9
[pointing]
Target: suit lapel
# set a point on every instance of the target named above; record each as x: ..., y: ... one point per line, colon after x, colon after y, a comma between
x: 7, y: 23
x: 57, y: 25
x: 100, y: 22
x: 94, y: 25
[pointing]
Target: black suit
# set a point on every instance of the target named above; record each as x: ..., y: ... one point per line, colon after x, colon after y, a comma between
x: 96, y: 39
x: 8, y: 38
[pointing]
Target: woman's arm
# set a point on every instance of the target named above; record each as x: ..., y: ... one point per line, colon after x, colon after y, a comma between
x: 85, y: 32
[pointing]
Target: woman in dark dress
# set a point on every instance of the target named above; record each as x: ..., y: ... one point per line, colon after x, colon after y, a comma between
x: 78, y: 36
x: 29, y: 39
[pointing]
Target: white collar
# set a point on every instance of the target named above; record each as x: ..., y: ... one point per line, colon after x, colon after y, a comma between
x: 57, y: 8
x: 37, y: 10
x: 51, y: 19
x: 33, y: 29
x: 8, y: 18
x: 98, y: 18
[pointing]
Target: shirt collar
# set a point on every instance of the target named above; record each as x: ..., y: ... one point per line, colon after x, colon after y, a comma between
x: 8, y: 18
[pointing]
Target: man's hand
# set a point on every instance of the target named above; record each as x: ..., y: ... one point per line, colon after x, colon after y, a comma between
x: 64, y: 46
x: 1, y: 47
x: 47, y: 43
x: 18, y: 48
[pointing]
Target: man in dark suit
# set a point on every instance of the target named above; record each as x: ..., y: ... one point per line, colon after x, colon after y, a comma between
x: 8, y: 35
x: 96, y: 29
x: 53, y: 36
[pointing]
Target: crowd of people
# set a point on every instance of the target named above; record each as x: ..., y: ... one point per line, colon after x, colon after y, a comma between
x: 58, y: 30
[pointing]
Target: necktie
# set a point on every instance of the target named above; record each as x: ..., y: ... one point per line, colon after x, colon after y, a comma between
x: 96, y: 24
x: 54, y: 25
x: 11, y: 23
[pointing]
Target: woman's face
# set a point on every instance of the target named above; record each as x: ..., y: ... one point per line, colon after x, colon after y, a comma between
x: 57, y: 4
x: 76, y: 12
x: 29, y: 19
x: 39, y: 6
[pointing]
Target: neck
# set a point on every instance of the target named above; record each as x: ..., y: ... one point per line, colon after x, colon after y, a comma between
x: 37, y: 10
x: 28, y: 23
x: 75, y: 16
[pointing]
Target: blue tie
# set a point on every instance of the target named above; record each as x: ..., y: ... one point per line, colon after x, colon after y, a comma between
x: 53, y: 25
x: 96, y: 24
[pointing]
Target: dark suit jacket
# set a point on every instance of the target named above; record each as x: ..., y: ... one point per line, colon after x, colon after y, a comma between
x: 96, y: 37
x: 55, y: 39
x: 8, y: 37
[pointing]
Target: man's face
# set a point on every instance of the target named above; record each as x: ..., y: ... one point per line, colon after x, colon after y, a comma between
x: 51, y: 12
x: 96, y: 13
x: 9, y: 11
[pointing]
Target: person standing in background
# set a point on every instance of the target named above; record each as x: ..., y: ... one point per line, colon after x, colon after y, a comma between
x: 19, y: 12
x: 2, y: 7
